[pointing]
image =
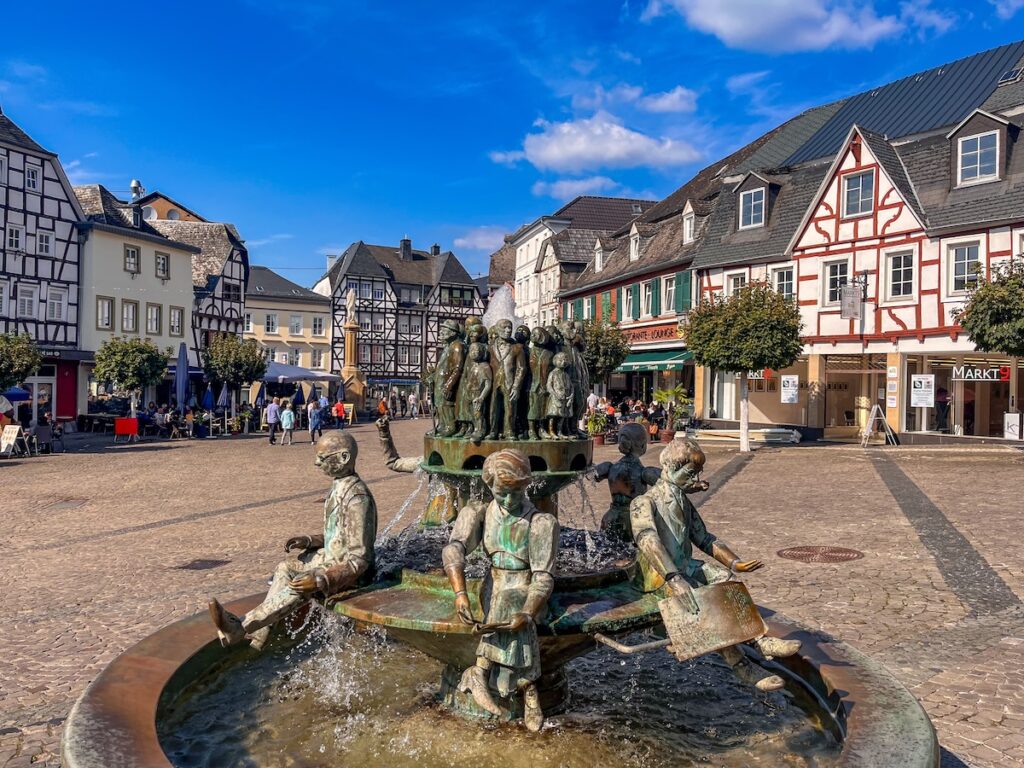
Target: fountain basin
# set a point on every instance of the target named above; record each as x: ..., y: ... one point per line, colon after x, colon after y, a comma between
x: 114, y: 723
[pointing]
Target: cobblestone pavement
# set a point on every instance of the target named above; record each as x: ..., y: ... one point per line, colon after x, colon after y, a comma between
x: 104, y: 544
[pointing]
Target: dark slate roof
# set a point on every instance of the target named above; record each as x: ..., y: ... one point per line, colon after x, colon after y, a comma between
x: 502, y: 267
x: 264, y: 283
x: 607, y: 213
x: 151, y: 196
x: 723, y: 244
x: 10, y: 133
x: 894, y: 168
x: 383, y: 261
x: 1006, y: 96
x: 787, y: 138
x: 571, y: 246
x: 482, y: 285
x: 101, y: 206
x: 938, y: 97
x: 216, y: 242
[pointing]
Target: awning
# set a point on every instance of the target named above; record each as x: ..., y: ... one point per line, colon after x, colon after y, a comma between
x: 192, y: 370
x: 655, y: 360
x: 400, y: 382
x: 289, y: 374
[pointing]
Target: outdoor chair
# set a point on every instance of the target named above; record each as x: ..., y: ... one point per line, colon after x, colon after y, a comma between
x: 42, y: 437
x: 849, y: 418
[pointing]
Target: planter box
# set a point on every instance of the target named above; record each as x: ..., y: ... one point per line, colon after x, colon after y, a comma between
x: 598, y: 439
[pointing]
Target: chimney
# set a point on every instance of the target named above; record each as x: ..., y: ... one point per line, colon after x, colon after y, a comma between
x: 405, y: 249
x: 331, y: 258
x: 435, y: 250
x: 138, y: 191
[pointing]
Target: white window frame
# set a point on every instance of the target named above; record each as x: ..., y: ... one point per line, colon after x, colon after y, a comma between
x: 4, y: 296
x: 950, y: 271
x: 316, y: 358
x: 294, y: 356
x: 414, y: 355
x: 110, y: 305
x: 135, y: 319
x: 825, y: 278
x: 849, y: 177
x: 180, y: 314
x: 19, y: 230
x: 364, y: 321
x: 890, y: 256
x: 159, y: 329
x: 378, y: 292
x: 377, y: 323
x: 588, y: 308
x: 960, y: 182
x: 763, y: 191
x: 33, y: 303
x: 47, y: 239
x: 272, y: 354
x: 376, y: 354
x: 3, y: 171
x: 668, y: 295
x: 38, y: 186
x: 321, y: 322
x: 627, y: 303
x: 415, y: 326
x: 365, y: 289
x: 138, y: 259
x: 270, y: 324
x: 634, y: 247
x: 689, y: 227
x: 166, y: 273
x: 293, y: 322
x: 247, y: 322
x: 646, y: 298
x: 776, y: 272
x: 403, y: 355
x: 598, y: 259
x: 730, y: 278
x: 61, y: 295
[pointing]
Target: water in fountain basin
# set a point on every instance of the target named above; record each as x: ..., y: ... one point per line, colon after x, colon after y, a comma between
x: 421, y: 478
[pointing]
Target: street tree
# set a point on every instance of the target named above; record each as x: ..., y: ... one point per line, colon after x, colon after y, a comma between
x: 131, y: 365
x: 606, y: 348
x: 993, y: 315
x: 753, y: 329
x: 232, y: 360
x: 19, y: 359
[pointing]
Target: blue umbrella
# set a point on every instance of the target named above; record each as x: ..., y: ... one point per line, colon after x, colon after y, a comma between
x: 222, y: 400
x: 16, y: 394
x: 261, y: 397
x: 181, y: 377
x: 299, y: 398
x: 208, y: 398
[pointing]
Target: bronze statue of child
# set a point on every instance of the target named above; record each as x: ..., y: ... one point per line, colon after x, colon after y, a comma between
x: 480, y: 381
x: 540, y: 367
x: 627, y: 478
x: 666, y: 527
x: 340, y: 558
x: 521, y: 543
x: 560, y: 398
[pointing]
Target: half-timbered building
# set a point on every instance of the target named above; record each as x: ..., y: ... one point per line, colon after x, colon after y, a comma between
x: 39, y: 267
x: 402, y: 297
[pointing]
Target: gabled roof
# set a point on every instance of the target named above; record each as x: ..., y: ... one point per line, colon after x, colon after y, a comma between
x: 383, y: 261
x: 10, y: 133
x: 570, y: 246
x: 607, y: 213
x: 216, y: 242
x: 101, y: 207
x: 746, y: 176
x: 264, y: 283
x: 502, y: 264
x: 981, y: 112
x: 151, y: 196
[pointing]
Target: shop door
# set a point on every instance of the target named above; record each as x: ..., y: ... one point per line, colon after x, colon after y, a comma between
x: 41, y: 389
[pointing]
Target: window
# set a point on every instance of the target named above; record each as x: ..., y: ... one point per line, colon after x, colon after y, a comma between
x: 270, y: 323
x: 272, y: 354
x: 56, y: 304
x: 44, y: 243
x: 965, y: 264
x: 645, y: 305
x: 978, y: 158
x: 131, y: 259
x: 588, y: 307
x: 32, y: 174
x: 783, y: 281
x: 3, y: 170
x: 403, y: 324
x: 410, y: 295
x: 598, y: 259
x: 163, y: 265
x: 858, y: 194
x: 28, y: 298
x: 735, y: 282
x: 364, y: 321
x: 319, y: 326
x: 378, y: 323
x: 378, y: 353
x: 415, y: 326
x: 752, y: 208
x: 668, y: 302
x: 15, y: 238
x: 316, y: 358
x: 294, y: 357
x: 129, y: 316
x: 403, y: 355
x: 364, y: 353
x: 3, y: 298
x: 836, y: 275
x: 353, y: 285
x: 173, y: 214
x: 364, y: 290
x: 378, y: 293
x: 634, y: 247
x: 688, y: 226
x: 295, y: 325
x: 154, y: 319
x: 247, y: 323
x: 414, y: 355
x: 627, y: 309
x: 176, y: 321
x: 104, y: 313
x: 901, y: 274
x: 231, y: 291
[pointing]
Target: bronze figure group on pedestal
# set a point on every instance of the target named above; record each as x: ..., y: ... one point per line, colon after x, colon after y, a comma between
x: 508, y: 383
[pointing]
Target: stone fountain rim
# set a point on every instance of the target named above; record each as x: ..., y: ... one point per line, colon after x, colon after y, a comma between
x: 113, y: 723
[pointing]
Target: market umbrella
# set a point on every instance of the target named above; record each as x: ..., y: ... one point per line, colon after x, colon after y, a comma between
x: 181, y: 377
x: 298, y: 398
x: 5, y: 405
x: 17, y: 394
x: 261, y: 397
x: 222, y: 400
x: 208, y: 404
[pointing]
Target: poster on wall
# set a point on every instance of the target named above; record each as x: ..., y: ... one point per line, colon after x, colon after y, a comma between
x: 922, y: 390
x: 790, y: 389
x: 1011, y: 426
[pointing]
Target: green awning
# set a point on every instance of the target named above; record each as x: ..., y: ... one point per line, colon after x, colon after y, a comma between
x: 658, y: 360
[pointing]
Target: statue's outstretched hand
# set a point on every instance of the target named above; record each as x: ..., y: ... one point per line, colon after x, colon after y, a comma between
x: 747, y: 566
x: 680, y: 589
x: 308, y: 583
x: 519, y: 621
x: 463, y: 609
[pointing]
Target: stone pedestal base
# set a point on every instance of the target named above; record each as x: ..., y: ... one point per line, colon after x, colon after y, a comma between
x: 553, y: 687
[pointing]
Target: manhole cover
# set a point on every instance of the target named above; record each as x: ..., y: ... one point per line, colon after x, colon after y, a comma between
x: 68, y: 504
x: 201, y: 565
x: 823, y: 554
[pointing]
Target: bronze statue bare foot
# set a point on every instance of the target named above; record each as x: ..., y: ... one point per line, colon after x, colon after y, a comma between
x: 533, y: 716
x: 229, y: 627
x: 774, y: 647
x: 474, y: 681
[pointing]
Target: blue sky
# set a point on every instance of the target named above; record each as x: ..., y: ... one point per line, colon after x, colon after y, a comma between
x: 314, y: 124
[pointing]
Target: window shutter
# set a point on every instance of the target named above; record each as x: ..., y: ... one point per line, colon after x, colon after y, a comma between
x: 635, y: 288
x: 655, y: 297
x: 683, y: 290
x: 618, y: 305
x: 565, y: 311
x: 577, y: 309
x: 606, y: 306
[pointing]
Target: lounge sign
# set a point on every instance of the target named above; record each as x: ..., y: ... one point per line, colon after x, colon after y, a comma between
x: 974, y: 373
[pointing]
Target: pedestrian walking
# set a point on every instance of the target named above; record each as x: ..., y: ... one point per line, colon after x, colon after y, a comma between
x: 274, y: 418
x: 339, y: 413
x: 414, y: 405
x: 288, y: 424
x: 382, y: 407
x: 403, y: 404
x: 394, y: 404
x: 314, y: 421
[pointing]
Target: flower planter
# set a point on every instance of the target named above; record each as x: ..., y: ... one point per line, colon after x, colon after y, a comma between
x: 667, y: 435
x: 598, y: 439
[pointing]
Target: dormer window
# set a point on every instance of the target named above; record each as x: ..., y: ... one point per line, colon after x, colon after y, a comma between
x: 634, y: 247
x: 689, y: 220
x: 752, y: 208
x: 979, y: 158
x: 598, y: 259
x: 858, y: 194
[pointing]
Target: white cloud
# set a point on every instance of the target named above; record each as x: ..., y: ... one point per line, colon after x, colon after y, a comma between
x: 485, y: 238
x: 1006, y: 9
x: 919, y: 15
x: 331, y: 250
x: 507, y: 158
x: 566, y: 189
x: 269, y: 239
x: 601, y: 141
x: 777, y: 26
x: 679, y: 99
x: 743, y: 84
x: 628, y: 56
x: 88, y: 108
x: 23, y: 70
x: 599, y: 97
x: 652, y: 10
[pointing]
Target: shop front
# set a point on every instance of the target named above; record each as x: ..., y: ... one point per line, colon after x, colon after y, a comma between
x: 643, y: 373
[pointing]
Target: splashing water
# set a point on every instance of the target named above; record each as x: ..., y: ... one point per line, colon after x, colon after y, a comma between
x: 421, y: 477
x: 502, y: 306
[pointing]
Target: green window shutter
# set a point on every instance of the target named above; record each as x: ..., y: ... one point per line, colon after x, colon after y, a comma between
x: 655, y: 297
x: 606, y: 306
x: 635, y: 288
x: 618, y: 305
x: 684, y: 290
x: 565, y: 311
x: 577, y: 309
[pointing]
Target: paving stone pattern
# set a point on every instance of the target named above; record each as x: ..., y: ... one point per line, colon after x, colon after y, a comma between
x: 163, y: 526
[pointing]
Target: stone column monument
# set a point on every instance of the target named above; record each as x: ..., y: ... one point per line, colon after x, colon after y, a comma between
x: 351, y: 375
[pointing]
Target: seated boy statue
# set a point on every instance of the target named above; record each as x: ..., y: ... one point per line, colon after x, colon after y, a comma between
x: 627, y: 479
x: 340, y: 558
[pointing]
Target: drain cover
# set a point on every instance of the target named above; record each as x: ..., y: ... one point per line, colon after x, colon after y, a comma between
x: 201, y: 565
x: 68, y: 504
x: 825, y: 554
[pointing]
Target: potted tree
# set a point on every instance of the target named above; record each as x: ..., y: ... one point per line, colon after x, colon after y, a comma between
x: 675, y: 402
x: 597, y: 424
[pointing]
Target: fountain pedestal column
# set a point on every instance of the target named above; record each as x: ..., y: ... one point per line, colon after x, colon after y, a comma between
x: 351, y: 375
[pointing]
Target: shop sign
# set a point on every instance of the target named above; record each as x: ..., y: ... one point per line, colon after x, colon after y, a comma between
x: 790, y: 389
x: 1011, y: 426
x: 850, y: 298
x: 922, y: 390
x: 653, y: 333
x: 759, y: 375
x: 974, y: 373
